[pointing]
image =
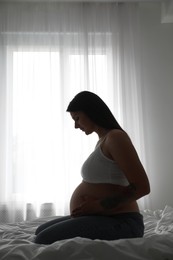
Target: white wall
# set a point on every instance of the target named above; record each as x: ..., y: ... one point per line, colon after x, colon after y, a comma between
x: 157, y: 89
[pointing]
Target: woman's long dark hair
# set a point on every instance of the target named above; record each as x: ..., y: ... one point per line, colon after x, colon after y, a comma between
x: 95, y: 108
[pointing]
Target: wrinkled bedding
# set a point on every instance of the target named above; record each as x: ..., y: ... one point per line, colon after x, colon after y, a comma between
x: 17, y: 242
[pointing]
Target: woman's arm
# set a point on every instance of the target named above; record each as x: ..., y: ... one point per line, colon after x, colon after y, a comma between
x: 120, y: 148
x: 126, y: 195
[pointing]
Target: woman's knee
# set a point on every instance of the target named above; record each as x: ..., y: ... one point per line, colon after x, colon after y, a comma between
x: 42, y: 238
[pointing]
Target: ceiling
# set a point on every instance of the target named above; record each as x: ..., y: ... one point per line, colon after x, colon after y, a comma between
x: 118, y: 1
x: 166, y: 5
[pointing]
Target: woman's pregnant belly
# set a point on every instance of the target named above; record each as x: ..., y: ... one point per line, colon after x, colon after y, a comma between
x: 98, y: 191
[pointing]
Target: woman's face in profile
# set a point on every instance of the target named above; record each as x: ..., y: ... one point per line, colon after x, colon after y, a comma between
x: 83, y: 122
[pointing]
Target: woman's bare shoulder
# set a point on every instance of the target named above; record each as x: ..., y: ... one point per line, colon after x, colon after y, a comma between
x: 117, y: 135
x: 117, y: 141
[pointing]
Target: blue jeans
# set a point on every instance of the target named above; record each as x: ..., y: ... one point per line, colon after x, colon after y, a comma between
x: 123, y: 225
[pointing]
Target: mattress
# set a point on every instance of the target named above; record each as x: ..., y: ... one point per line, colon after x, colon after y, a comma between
x: 17, y: 242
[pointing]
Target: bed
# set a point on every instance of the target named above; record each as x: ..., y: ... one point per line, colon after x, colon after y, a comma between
x: 17, y: 242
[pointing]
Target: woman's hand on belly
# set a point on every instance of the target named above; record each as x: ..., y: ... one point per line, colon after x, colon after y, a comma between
x: 89, y: 206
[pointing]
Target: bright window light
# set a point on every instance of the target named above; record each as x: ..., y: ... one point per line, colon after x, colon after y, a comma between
x: 36, y: 89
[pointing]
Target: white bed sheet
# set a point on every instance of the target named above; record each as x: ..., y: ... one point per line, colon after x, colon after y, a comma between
x: 17, y: 242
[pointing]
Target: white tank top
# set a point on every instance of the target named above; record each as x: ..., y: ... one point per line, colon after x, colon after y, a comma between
x: 100, y: 169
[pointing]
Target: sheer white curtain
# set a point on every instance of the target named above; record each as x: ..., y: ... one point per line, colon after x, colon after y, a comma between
x: 48, y: 53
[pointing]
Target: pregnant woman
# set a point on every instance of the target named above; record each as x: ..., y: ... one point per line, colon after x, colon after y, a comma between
x: 104, y: 205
